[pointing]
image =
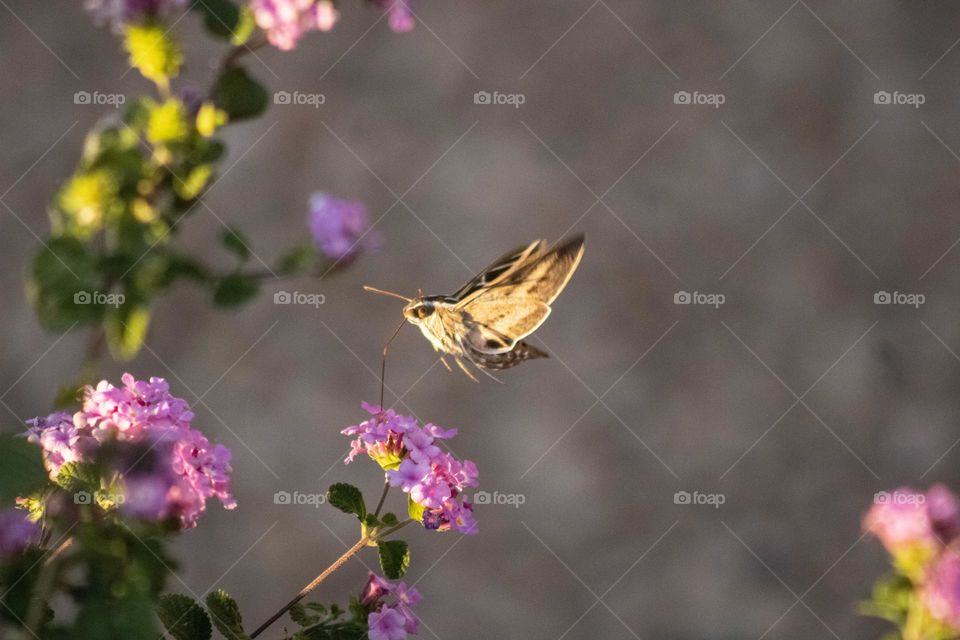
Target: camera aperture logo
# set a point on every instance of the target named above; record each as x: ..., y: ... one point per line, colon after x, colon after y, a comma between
x: 299, y: 98
x: 697, y: 98
x: 511, y: 499
x: 698, y: 498
x: 497, y: 98
x: 299, y: 499
x: 897, y: 297
x: 296, y: 297
x: 697, y: 297
x: 99, y: 298
x: 116, y: 100
x: 85, y: 497
x: 898, y: 98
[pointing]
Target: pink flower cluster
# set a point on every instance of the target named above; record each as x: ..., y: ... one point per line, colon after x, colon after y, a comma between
x: 922, y: 532
x: 410, y: 454
x: 285, y: 21
x: 182, y: 469
x: 389, y: 621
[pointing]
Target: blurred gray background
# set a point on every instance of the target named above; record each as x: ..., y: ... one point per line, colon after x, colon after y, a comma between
x: 798, y: 199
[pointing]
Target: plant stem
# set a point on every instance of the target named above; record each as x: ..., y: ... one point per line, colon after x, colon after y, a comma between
x: 381, y: 535
x: 242, y: 49
x: 349, y: 553
x: 383, y: 496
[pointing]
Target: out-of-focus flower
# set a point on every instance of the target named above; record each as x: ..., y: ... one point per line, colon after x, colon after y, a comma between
x: 940, y: 591
x: 340, y: 227
x: 902, y: 518
x: 119, y: 13
x: 17, y: 532
x: 434, y: 479
x: 285, y: 21
x: 390, y: 606
x: 172, y: 470
x: 399, y: 14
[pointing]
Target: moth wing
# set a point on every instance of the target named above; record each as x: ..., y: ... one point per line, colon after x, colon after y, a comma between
x: 500, y: 268
x: 515, y: 307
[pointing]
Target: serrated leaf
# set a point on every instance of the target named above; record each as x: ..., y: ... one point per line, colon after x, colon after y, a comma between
x: 226, y: 615
x: 235, y: 241
x: 21, y: 469
x: 79, y: 476
x: 234, y: 290
x: 347, y: 498
x: 389, y: 519
x: 237, y: 93
x: 394, y: 558
x: 183, y: 617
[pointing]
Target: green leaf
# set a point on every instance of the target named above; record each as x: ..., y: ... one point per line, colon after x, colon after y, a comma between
x: 226, y: 615
x: 239, y: 95
x: 389, y: 519
x: 220, y: 17
x: 394, y: 558
x: 126, y: 328
x: 415, y: 511
x: 297, y: 259
x: 21, y: 468
x: 129, y: 616
x: 79, y: 476
x: 235, y: 241
x: 234, y: 290
x: 298, y: 613
x: 347, y: 498
x: 63, y: 277
x: 183, y: 617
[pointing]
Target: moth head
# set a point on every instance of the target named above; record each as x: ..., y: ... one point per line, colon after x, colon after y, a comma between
x: 418, y: 310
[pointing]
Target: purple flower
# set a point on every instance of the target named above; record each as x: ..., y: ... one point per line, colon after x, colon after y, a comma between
x: 340, y: 227
x: 285, y: 21
x: 941, y: 590
x: 390, y: 606
x: 413, y: 461
x: 183, y: 469
x: 399, y: 14
x: 17, y: 532
x: 119, y: 13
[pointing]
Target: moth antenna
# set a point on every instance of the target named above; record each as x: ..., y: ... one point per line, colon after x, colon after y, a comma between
x: 420, y: 295
x: 383, y: 363
x: 385, y: 293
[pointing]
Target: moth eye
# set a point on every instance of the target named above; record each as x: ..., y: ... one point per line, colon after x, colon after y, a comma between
x: 423, y: 312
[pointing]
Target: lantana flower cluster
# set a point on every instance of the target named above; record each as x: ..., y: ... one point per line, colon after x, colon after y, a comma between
x: 340, y: 227
x: 412, y: 459
x: 17, y: 532
x: 390, y: 606
x: 165, y: 467
x: 921, y: 531
x: 286, y: 21
x: 119, y: 13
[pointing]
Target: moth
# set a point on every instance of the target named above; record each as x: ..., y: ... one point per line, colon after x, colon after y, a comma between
x: 485, y: 321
